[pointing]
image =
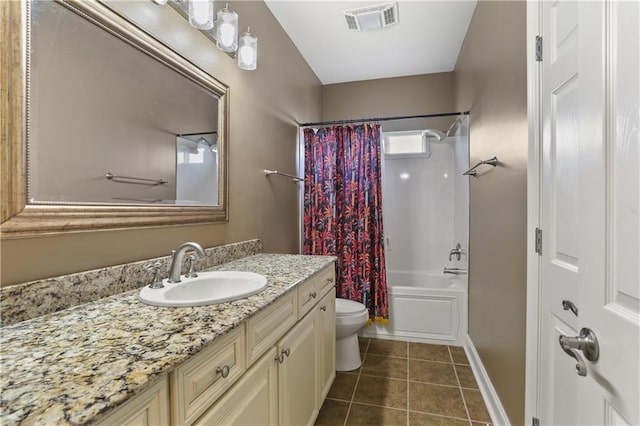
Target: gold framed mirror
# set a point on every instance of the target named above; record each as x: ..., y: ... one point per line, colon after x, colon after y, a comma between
x: 103, y: 126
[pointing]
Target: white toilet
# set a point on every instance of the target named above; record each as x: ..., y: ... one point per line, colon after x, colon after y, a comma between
x: 350, y: 317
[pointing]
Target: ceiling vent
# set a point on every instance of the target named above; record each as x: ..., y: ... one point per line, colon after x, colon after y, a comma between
x: 372, y: 17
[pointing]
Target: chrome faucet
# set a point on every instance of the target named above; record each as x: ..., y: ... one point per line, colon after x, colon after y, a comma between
x: 176, y: 260
x: 458, y: 251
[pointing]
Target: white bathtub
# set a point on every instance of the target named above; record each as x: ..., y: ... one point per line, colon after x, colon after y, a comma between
x: 426, y: 307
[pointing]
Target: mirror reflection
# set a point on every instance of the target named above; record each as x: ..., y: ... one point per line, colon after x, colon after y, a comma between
x: 110, y: 124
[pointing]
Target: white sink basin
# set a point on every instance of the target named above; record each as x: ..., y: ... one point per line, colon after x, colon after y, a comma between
x: 207, y: 288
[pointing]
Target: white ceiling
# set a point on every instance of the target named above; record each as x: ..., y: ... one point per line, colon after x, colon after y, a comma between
x: 427, y: 38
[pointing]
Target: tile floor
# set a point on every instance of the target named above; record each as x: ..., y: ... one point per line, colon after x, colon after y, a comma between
x: 404, y: 383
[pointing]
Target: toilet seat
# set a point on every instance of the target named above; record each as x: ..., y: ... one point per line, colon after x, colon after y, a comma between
x: 346, y: 307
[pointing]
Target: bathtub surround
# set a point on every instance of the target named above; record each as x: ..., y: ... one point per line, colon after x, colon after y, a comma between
x: 123, y: 346
x: 33, y: 299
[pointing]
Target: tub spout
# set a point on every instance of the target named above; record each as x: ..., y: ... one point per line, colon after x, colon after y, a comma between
x: 455, y: 271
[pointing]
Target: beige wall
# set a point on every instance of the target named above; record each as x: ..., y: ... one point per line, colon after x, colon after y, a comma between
x: 390, y: 97
x: 491, y: 83
x: 265, y: 104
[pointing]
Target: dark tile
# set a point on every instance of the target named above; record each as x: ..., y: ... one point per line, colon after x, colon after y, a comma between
x: 475, y: 405
x: 429, y: 352
x: 363, y: 342
x: 373, y: 416
x: 421, y: 419
x: 332, y: 413
x: 466, y: 377
x: 381, y: 391
x: 343, y: 386
x: 436, y: 399
x: 432, y: 372
x: 458, y: 355
x: 382, y: 366
x: 388, y: 348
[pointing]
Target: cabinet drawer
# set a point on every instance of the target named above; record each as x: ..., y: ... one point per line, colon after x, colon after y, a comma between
x: 196, y: 384
x: 265, y: 328
x: 325, y: 281
x: 307, y: 296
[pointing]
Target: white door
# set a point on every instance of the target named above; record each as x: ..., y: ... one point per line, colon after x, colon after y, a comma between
x: 590, y: 188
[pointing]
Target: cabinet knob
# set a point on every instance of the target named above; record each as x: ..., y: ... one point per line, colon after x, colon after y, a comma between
x: 280, y: 358
x: 324, y: 308
x: 312, y: 295
x: 329, y: 280
x: 287, y: 352
x: 223, y: 371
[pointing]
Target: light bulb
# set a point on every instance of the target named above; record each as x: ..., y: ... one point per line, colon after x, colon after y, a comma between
x: 201, y: 14
x: 248, y: 51
x: 227, y: 30
x: 227, y: 34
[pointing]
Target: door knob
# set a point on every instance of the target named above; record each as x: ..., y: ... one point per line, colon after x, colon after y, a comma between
x: 587, y: 343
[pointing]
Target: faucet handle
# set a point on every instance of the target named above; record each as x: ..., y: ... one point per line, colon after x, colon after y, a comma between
x: 192, y: 267
x: 157, y: 279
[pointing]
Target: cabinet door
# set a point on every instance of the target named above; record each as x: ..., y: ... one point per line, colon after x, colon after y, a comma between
x: 326, y: 312
x: 150, y: 408
x: 253, y: 400
x: 298, y: 373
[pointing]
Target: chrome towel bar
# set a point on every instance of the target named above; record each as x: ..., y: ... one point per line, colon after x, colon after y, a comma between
x: 111, y: 176
x: 275, y: 172
x: 490, y: 162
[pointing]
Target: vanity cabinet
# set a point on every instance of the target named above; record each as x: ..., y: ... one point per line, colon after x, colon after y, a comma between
x: 275, y: 368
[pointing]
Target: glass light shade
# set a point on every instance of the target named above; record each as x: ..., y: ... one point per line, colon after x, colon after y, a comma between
x: 201, y: 14
x: 248, y: 51
x: 160, y: 2
x: 227, y: 30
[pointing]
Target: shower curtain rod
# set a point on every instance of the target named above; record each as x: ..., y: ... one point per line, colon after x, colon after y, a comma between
x: 401, y: 117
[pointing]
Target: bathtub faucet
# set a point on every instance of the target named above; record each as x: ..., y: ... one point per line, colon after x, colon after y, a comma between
x: 455, y: 271
x: 458, y: 251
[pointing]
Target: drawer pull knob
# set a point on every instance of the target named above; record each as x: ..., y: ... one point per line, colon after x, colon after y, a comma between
x: 312, y: 295
x: 280, y: 358
x: 324, y: 308
x: 287, y: 352
x: 329, y: 280
x: 223, y: 371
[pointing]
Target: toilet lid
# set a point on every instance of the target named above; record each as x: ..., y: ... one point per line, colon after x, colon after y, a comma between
x: 348, y: 307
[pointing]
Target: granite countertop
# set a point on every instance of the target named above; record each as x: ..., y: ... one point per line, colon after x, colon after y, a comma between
x: 76, y: 365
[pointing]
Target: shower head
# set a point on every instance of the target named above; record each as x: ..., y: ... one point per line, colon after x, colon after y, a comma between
x: 213, y: 147
x: 434, y: 133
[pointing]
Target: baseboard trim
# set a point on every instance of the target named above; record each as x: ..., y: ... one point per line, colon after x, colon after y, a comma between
x: 494, y: 406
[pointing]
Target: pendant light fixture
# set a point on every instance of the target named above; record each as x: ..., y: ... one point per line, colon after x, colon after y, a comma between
x: 248, y: 51
x: 227, y: 30
x: 200, y: 15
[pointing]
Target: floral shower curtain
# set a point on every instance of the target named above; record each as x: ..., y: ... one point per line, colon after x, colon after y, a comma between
x: 343, y: 210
